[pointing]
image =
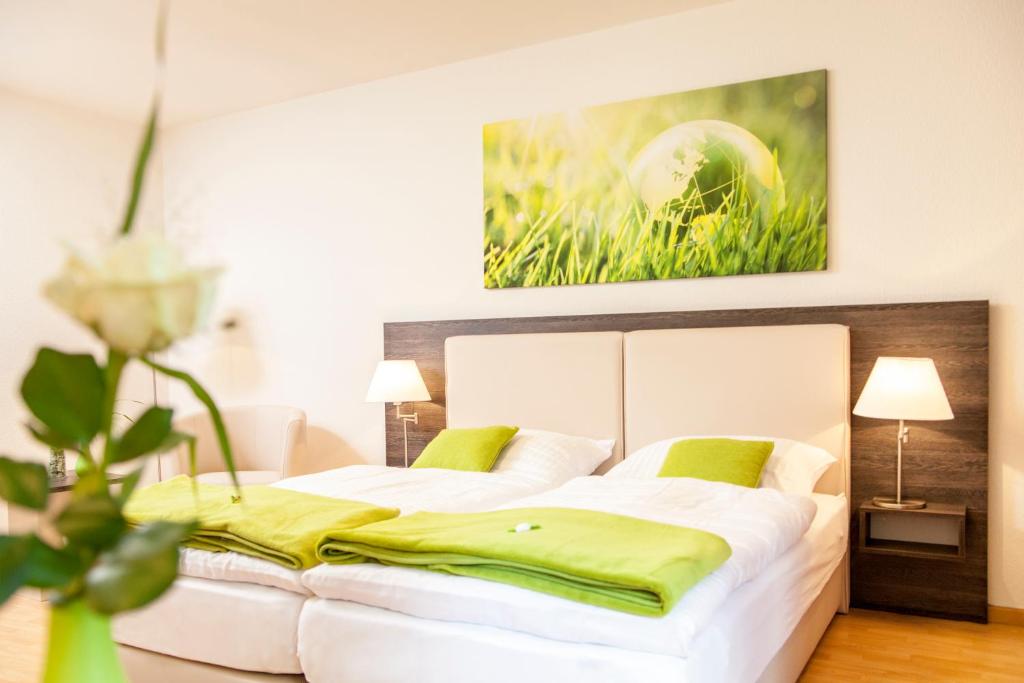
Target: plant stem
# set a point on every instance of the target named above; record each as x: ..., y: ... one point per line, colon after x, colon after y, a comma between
x: 204, y: 397
x: 87, y: 454
x: 115, y: 366
x: 149, y: 136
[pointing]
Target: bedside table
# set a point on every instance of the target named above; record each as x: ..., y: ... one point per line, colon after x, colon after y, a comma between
x: 917, y: 561
x: 936, y: 531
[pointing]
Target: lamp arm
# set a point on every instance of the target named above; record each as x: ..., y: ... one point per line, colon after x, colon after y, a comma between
x: 406, y: 418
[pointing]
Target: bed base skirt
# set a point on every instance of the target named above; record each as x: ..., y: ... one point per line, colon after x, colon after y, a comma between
x: 790, y: 661
x: 143, y: 666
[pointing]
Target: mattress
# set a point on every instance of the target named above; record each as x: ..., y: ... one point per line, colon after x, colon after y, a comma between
x: 235, y: 567
x: 736, y: 644
x: 410, y: 490
x: 238, y: 625
x: 381, y: 646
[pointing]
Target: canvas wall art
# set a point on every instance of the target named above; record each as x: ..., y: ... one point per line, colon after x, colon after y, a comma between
x: 728, y: 180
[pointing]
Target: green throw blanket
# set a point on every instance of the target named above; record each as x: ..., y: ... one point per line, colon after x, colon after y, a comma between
x: 602, y: 559
x: 269, y: 523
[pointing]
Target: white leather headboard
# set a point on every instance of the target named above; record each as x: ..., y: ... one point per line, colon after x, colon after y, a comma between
x: 788, y: 381
x: 562, y: 382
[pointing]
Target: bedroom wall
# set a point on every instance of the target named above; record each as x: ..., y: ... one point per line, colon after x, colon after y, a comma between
x: 62, y: 180
x: 341, y: 211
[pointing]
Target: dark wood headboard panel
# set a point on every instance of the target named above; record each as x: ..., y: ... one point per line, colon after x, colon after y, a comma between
x: 944, y: 462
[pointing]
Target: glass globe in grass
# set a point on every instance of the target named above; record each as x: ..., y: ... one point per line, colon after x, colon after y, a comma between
x: 707, y: 167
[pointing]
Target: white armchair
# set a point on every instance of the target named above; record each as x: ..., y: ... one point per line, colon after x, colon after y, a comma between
x: 266, y: 442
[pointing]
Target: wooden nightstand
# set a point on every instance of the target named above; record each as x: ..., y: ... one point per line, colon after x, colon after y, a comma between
x: 917, y: 561
x: 937, y: 531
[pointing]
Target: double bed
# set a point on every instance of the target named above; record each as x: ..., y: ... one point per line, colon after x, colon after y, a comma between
x: 377, y: 623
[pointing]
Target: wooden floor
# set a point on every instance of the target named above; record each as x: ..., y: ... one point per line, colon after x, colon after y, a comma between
x: 22, y: 638
x: 878, y: 646
x: 860, y: 646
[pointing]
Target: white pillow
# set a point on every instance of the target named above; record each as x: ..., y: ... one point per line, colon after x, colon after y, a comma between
x: 552, y: 457
x: 796, y: 467
x: 793, y: 467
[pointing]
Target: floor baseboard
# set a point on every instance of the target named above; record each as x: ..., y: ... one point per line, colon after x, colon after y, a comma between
x: 1006, y: 615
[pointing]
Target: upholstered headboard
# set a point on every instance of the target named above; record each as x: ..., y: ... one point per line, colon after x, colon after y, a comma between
x: 787, y: 381
x: 569, y: 383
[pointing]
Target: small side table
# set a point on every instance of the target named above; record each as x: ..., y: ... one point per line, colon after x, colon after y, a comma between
x: 927, y: 562
x: 940, y: 531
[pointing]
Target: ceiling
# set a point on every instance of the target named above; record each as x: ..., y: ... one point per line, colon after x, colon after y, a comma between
x: 230, y: 55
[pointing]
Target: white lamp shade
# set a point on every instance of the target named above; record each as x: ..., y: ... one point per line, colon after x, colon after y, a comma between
x: 904, y: 389
x: 397, y: 381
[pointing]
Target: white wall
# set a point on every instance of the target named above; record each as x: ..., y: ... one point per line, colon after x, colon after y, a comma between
x: 341, y: 211
x: 63, y: 177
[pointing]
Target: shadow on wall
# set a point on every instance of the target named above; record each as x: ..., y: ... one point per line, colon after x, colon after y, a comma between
x: 226, y: 359
x: 233, y: 359
x: 325, y: 450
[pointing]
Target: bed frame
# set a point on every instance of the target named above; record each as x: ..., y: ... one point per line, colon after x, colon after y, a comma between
x: 955, y: 334
x: 143, y: 666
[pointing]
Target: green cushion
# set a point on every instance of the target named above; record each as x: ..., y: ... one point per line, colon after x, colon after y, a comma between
x: 469, y: 450
x: 730, y: 460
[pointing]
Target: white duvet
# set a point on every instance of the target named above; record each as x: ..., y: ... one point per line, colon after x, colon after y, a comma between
x: 410, y: 490
x: 759, y: 525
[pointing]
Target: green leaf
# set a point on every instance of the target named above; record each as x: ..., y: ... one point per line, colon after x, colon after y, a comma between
x: 192, y: 466
x: 207, y: 400
x: 145, y: 436
x: 173, y: 440
x: 50, y: 567
x: 137, y: 570
x: 128, y: 485
x: 91, y: 483
x: 65, y: 393
x: 24, y: 483
x: 45, y: 436
x: 94, y: 521
x: 139, y: 174
x: 14, y: 552
x: 149, y: 137
x: 27, y: 561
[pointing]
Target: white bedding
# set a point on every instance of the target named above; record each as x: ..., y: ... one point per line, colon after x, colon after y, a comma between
x: 231, y: 566
x: 760, y: 525
x: 410, y: 490
x: 746, y: 632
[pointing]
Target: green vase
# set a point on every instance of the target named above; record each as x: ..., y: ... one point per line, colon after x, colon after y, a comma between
x: 81, y: 648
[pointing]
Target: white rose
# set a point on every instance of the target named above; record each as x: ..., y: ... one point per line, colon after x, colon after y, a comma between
x: 138, y: 296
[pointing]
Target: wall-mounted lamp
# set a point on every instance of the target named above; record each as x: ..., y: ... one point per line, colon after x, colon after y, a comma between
x: 903, y: 389
x: 398, y: 382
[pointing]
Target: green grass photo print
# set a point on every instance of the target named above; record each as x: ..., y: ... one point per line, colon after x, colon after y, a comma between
x: 728, y: 180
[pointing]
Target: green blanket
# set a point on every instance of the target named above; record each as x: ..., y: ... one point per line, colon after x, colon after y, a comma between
x: 622, y: 563
x: 269, y: 523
